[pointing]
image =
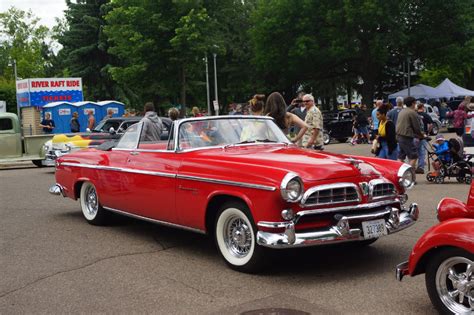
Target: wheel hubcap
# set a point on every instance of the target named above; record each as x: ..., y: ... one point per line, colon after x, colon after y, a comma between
x: 455, y: 284
x: 91, y: 201
x: 238, y: 237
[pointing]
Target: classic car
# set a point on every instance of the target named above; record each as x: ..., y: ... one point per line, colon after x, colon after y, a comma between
x: 338, y: 125
x: 445, y: 254
x: 240, y: 180
x: 107, y: 130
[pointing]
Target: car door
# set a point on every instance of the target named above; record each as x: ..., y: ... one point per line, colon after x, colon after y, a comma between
x: 152, y: 170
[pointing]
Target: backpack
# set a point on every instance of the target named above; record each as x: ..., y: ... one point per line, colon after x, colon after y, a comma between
x: 455, y: 146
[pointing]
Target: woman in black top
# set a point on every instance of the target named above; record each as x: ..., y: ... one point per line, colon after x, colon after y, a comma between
x: 386, y: 135
x: 75, y: 126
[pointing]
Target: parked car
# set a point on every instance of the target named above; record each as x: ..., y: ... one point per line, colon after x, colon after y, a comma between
x: 338, y: 125
x: 107, y: 130
x: 445, y: 254
x: 15, y: 147
x: 240, y: 180
x: 436, y: 122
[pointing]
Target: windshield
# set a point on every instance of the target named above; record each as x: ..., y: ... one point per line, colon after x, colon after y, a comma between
x: 104, y: 126
x: 227, y: 131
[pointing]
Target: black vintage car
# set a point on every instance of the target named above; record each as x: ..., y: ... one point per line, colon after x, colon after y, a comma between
x: 338, y: 125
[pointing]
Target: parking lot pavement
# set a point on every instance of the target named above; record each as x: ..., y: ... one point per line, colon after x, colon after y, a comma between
x: 52, y: 261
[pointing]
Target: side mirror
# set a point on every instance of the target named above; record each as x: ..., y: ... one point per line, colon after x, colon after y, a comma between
x: 112, y: 130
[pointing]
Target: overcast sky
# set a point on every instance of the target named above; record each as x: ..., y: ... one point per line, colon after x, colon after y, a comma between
x: 45, y: 10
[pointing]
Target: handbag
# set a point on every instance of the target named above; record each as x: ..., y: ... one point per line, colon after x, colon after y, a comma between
x: 376, y: 147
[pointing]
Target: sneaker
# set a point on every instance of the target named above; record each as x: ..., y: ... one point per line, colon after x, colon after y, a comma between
x: 419, y: 170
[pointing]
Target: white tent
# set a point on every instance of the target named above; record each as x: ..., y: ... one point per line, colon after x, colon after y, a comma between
x: 448, y: 87
x: 420, y: 91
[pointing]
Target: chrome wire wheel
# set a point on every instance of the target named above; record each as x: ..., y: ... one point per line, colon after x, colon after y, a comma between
x: 238, y: 236
x: 235, y: 237
x: 90, y: 205
x: 455, y: 284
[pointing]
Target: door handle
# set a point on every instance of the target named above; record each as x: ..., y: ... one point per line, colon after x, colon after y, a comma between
x: 134, y: 153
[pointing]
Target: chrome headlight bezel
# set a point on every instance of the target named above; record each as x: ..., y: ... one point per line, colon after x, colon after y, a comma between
x: 406, y: 176
x: 292, y: 188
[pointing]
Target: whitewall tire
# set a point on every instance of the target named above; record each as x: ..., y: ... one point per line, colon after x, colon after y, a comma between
x: 90, y: 206
x: 235, y: 236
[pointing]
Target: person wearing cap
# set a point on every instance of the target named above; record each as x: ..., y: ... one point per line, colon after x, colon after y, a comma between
x: 393, y: 113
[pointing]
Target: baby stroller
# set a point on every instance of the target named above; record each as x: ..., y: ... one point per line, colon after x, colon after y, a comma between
x: 452, y: 163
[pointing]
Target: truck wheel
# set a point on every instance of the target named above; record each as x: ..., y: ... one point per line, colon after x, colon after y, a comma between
x: 450, y: 280
x: 90, y: 206
x: 235, y: 236
x: 38, y: 163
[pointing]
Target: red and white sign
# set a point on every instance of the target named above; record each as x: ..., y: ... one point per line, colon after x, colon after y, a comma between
x: 64, y: 111
x: 55, y: 84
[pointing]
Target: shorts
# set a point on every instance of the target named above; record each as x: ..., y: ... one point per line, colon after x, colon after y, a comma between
x: 361, y: 130
x: 407, y: 148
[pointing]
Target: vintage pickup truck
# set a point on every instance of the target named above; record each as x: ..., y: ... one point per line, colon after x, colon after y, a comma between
x: 16, y: 148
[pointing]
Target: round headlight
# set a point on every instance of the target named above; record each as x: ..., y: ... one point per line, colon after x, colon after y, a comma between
x: 407, y: 177
x: 291, y: 188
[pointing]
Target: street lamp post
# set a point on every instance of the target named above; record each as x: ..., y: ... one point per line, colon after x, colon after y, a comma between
x: 215, y: 84
x: 409, y: 75
x: 207, y: 87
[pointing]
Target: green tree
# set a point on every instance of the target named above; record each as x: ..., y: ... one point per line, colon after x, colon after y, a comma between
x: 84, y: 52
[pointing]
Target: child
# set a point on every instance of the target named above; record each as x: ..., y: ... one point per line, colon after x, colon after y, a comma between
x: 443, y: 152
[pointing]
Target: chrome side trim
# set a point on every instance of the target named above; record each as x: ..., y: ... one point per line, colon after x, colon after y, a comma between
x: 226, y: 182
x: 364, y: 206
x: 120, y: 169
x: 314, y: 189
x: 169, y: 175
x: 155, y: 221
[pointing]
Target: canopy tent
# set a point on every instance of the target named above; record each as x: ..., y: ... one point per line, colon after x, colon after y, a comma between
x: 448, y: 87
x: 421, y: 91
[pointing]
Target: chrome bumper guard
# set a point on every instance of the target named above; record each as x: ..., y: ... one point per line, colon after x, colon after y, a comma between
x: 402, y: 270
x: 57, y: 190
x: 55, y: 154
x: 341, y: 232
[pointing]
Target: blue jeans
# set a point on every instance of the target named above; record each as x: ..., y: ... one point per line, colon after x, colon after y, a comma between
x: 421, y: 154
x: 383, y: 154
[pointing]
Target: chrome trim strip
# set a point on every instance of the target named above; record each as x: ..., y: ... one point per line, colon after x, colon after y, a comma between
x: 364, y: 206
x: 136, y: 216
x: 120, y: 169
x: 168, y: 175
x: 314, y: 189
x: 226, y: 182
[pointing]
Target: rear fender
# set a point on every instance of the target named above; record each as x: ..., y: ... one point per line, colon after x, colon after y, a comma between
x: 451, y: 233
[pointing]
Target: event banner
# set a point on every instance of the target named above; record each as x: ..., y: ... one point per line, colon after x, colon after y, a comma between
x: 41, y: 91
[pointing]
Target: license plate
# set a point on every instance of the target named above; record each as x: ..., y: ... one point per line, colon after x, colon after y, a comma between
x: 374, y: 229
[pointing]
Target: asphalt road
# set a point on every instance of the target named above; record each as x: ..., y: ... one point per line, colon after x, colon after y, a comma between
x: 52, y: 261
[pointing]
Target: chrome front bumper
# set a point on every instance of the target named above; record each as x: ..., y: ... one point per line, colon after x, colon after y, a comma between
x: 339, y: 233
x: 402, y: 270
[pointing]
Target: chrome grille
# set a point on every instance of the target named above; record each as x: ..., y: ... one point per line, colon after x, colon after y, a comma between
x: 383, y: 190
x: 331, y: 194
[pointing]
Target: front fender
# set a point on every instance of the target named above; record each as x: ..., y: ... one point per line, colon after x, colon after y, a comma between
x: 451, y: 233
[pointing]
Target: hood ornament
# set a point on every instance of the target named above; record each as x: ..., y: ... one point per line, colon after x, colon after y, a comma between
x: 354, y: 162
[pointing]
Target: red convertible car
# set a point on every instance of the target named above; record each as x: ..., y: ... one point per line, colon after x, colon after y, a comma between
x: 445, y: 253
x: 240, y: 180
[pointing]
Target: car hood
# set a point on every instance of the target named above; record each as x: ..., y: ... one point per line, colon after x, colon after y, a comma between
x: 310, y: 165
x: 85, y: 139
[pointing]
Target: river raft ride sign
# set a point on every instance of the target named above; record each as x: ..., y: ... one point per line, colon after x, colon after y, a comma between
x: 41, y: 91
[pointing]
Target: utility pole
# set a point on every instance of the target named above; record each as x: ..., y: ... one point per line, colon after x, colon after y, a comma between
x: 409, y: 74
x: 215, y: 84
x: 207, y: 87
